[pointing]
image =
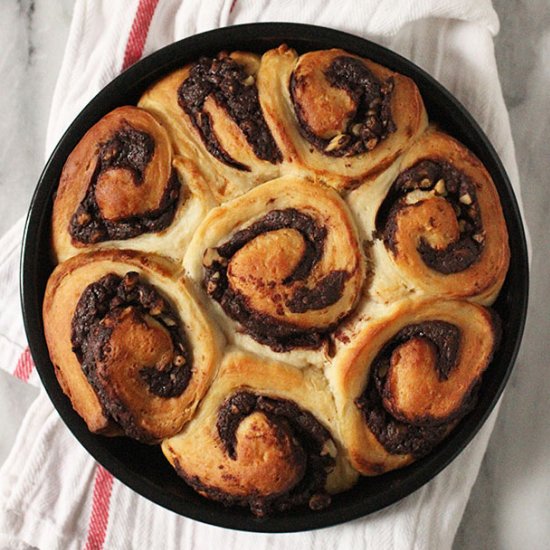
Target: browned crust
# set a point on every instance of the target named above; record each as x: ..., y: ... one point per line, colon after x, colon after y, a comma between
x: 82, y: 162
x: 57, y: 321
x: 483, y: 280
x: 63, y: 291
x: 352, y: 370
x: 344, y: 173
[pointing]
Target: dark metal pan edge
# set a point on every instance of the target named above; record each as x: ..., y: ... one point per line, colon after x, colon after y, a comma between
x: 371, y: 494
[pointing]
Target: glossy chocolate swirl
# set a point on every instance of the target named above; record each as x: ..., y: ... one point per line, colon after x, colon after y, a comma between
x: 262, y: 438
x: 367, y: 118
x: 122, y: 328
x: 305, y: 441
x: 265, y: 328
x: 439, y: 226
x: 224, y: 80
x: 130, y: 150
x: 406, y: 379
x: 436, y: 178
x: 398, y: 433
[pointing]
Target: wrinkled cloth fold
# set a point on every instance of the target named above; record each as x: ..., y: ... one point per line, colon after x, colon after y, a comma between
x: 52, y: 493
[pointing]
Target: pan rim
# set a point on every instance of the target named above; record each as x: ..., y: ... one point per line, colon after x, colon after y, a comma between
x: 34, y: 256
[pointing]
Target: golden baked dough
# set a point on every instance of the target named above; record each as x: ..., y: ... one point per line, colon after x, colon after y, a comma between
x: 276, y: 269
x: 435, y: 223
x: 407, y: 377
x: 210, y: 124
x: 129, y: 343
x: 336, y: 116
x: 265, y: 435
x: 121, y: 187
x: 282, y: 265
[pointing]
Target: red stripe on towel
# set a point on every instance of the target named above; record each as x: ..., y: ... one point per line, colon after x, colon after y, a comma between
x: 232, y: 6
x: 24, y: 366
x: 138, y: 32
x: 99, y: 518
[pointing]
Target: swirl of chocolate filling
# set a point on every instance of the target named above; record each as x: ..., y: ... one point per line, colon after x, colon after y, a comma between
x: 396, y: 435
x: 99, y: 309
x: 227, y: 82
x: 443, y: 179
x: 370, y: 123
x: 132, y: 150
x: 279, y: 335
x: 311, y: 440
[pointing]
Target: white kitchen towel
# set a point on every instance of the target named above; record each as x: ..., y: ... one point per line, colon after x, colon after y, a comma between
x: 52, y: 493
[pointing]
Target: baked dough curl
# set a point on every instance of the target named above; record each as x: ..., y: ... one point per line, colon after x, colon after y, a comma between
x: 281, y: 265
x: 212, y: 112
x: 407, y: 378
x: 436, y: 223
x: 337, y: 116
x: 130, y: 345
x: 121, y: 187
x: 264, y: 436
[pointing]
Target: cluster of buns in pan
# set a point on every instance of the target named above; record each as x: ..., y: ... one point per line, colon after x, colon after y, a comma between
x: 277, y: 268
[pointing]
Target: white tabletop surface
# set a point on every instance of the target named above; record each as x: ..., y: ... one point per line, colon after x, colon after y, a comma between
x: 510, y: 503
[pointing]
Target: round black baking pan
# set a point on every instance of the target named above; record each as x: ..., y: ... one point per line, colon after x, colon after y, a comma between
x: 143, y: 468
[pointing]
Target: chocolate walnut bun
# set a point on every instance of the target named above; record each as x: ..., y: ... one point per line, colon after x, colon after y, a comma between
x: 276, y: 269
x: 130, y: 345
x: 435, y: 224
x: 281, y: 265
x: 212, y: 111
x: 338, y: 117
x: 122, y: 187
x: 263, y: 438
x: 408, y: 378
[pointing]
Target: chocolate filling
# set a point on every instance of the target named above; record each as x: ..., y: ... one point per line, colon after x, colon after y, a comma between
x: 327, y: 292
x: 227, y: 82
x: 396, y: 435
x: 304, y: 429
x: 372, y: 121
x: 280, y: 336
x: 132, y: 150
x: 459, y: 190
x: 97, y: 312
